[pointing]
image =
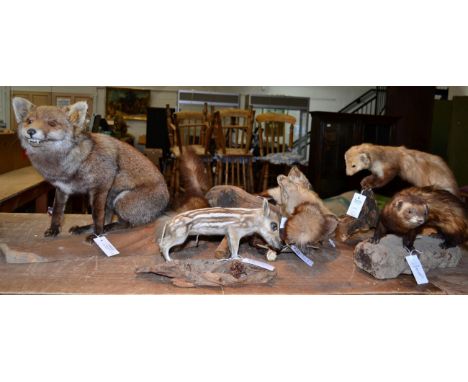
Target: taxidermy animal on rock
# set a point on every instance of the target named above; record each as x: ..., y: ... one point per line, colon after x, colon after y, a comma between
x: 416, y: 207
x: 386, y: 162
x: 116, y: 177
x: 234, y: 223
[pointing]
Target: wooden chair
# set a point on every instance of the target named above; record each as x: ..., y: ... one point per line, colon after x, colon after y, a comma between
x: 188, y: 128
x: 233, y: 134
x: 274, y: 137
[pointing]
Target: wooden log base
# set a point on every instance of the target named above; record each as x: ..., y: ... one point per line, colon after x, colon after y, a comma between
x: 214, y: 273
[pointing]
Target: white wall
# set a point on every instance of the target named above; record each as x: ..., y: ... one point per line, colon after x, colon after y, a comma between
x: 322, y: 98
x: 458, y: 91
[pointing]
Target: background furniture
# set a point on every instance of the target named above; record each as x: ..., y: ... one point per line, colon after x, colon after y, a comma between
x: 275, y: 136
x: 233, y: 136
x: 189, y: 129
x: 334, y: 133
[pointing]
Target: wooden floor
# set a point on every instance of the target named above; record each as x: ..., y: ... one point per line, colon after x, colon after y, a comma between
x: 67, y: 264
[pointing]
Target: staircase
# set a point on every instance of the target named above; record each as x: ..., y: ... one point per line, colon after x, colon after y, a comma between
x: 371, y: 102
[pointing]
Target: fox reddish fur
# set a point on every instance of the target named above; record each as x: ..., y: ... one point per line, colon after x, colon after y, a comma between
x: 386, y: 162
x: 117, y: 178
x: 195, y: 179
x: 416, y: 207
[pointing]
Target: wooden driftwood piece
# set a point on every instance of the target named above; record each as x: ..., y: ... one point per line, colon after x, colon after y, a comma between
x: 368, y: 219
x: 193, y: 273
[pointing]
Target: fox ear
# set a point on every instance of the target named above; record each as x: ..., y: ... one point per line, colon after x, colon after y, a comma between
x: 76, y: 113
x: 21, y: 107
x: 281, y: 179
x: 266, y: 207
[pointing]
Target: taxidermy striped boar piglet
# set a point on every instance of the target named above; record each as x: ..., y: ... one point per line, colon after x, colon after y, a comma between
x: 234, y: 223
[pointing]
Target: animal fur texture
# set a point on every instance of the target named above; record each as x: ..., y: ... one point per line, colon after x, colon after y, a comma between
x: 195, y: 180
x: 386, y: 162
x: 296, y: 176
x: 234, y: 223
x: 416, y: 207
x: 117, y: 178
x: 308, y: 225
x: 309, y: 220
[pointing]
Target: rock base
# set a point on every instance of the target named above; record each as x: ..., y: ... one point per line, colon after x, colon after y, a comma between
x: 386, y: 260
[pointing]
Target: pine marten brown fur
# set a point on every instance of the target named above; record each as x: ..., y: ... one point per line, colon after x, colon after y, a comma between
x: 386, y: 162
x: 411, y: 209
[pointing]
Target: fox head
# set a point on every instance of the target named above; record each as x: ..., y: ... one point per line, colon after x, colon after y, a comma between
x: 357, y: 159
x: 48, y: 127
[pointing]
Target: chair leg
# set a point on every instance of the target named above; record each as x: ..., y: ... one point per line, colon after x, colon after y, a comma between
x: 266, y: 174
x: 251, y: 178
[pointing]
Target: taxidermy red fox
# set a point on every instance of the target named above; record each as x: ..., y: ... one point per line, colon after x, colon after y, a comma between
x: 117, y: 178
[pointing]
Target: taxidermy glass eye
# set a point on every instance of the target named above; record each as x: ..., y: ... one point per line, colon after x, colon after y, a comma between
x: 274, y: 226
x: 354, y: 165
x: 52, y: 123
x: 28, y: 121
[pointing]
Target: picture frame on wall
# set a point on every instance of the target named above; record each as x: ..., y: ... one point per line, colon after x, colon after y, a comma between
x: 131, y: 103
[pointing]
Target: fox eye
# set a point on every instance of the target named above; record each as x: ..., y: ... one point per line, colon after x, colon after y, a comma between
x: 410, y: 211
x: 28, y: 121
x: 52, y: 123
x: 274, y: 226
x: 354, y: 166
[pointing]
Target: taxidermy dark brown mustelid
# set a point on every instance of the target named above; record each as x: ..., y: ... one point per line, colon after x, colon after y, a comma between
x: 416, y: 207
x: 117, y: 178
x: 195, y: 179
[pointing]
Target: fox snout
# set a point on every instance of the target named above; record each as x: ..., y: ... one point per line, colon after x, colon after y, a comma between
x: 31, y: 132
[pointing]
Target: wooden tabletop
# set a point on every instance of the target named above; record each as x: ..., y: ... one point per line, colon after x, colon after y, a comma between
x: 14, y: 182
x: 70, y: 265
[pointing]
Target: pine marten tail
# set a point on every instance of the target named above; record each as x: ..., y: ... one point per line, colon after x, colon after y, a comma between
x: 195, y: 179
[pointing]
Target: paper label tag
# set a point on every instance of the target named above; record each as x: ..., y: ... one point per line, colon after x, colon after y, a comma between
x: 356, y: 205
x: 417, y: 269
x: 106, y: 246
x: 257, y: 263
x: 303, y: 257
x: 283, y: 221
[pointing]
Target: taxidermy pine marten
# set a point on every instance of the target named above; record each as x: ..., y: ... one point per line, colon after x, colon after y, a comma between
x: 195, y: 180
x: 411, y: 209
x: 117, y: 178
x: 386, y: 162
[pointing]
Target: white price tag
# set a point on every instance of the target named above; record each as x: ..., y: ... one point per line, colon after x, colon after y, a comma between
x: 283, y: 221
x: 106, y: 246
x: 303, y: 257
x: 257, y: 263
x: 417, y: 269
x: 332, y: 243
x: 356, y: 205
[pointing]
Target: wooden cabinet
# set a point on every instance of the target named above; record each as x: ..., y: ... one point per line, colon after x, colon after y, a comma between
x: 334, y: 133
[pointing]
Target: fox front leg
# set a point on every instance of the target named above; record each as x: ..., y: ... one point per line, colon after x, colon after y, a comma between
x: 60, y: 201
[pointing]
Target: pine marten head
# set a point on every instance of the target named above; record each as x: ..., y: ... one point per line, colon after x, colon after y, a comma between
x: 357, y: 159
x: 409, y: 211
